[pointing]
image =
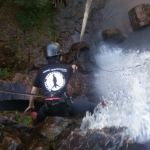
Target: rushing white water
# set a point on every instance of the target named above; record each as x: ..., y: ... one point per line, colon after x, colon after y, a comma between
x: 124, y: 80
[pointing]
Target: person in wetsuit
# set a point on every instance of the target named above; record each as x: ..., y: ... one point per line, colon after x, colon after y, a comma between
x: 52, y: 79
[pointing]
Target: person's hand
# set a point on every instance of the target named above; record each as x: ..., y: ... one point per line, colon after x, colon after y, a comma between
x: 74, y: 67
x: 29, y: 108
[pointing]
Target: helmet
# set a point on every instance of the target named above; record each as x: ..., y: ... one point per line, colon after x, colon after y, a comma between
x: 52, y: 49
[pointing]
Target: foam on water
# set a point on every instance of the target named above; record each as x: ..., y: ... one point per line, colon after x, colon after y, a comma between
x: 125, y: 84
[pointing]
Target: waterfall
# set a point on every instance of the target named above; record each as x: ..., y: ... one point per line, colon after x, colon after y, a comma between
x: 124, y: 81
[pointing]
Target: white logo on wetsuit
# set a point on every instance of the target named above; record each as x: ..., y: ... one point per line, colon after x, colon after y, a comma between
x: 54, y: 81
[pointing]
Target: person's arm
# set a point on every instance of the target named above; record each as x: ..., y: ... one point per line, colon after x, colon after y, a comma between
x: 34, y: 90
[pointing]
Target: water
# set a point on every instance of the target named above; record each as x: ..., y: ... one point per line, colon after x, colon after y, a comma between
x: 124, y: 81
x: 115, y: 15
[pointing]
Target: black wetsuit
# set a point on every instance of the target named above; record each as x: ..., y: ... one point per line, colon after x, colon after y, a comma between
x: 53, y: 79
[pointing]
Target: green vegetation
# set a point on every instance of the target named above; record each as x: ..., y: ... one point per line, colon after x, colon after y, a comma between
x: 4, y: 72
x: 25, y: 120
x: 34, y: 13
x: 1, y: 2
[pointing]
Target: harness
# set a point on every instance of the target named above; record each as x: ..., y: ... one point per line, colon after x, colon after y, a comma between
x: 53, y: 101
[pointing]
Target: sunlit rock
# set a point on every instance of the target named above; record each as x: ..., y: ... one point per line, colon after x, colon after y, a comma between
x: 140, y: 16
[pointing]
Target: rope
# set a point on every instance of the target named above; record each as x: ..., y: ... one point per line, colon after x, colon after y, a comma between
x: 117, y: 70
x: 86, y: 14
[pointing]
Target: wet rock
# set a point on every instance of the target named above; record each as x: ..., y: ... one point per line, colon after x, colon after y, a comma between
x: 113, y: 36
x: 54, y: 129
x: 91, y: 140
x: 46, y: 136
x: 81, y: 87
x: 11, y: 142
x: 37, y: 143
x: 13, y: 134
x: 83, y: 61
x: 140, y: 16
x: 101, y: 140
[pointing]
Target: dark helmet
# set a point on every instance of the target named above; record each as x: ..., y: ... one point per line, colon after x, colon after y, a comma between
x: 52, y: 49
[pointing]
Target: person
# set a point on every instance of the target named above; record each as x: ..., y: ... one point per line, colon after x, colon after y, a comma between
x: 52, y: 79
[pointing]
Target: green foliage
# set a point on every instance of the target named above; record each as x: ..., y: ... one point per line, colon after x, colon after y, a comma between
x: 4, y: 72
x: 6, y: 113
x: 30, y: 4
x: 17, y: 112
x: 1, y: 2
x: 36, y: 13
x: 25, y: 120
x: 30, y: 12
x: 26, y: 19
x: 49, y: 13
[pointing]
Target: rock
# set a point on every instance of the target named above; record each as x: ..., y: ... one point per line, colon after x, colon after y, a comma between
x: 83, y: 61
x: 8, y: 62
x: 24, y: 67
x: 59, y: 4
x: 72, y: 54
x: 12, y: 142
x: 35, y: 142
x: 57, y: 133
x: 8, y: 51
x: 113, y: 36
x: 101, y: 140
x: 81, y: 87
x: 54, y: 129
x: 140, y: 16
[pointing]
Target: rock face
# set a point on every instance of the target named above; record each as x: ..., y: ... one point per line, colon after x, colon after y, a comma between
x: 140, y: 16
x: 57, y: 133
x: 80, y: 86
x: 113, y: 36
x: 69, y: 22
x: 105, y: 139
x: 46, y: 136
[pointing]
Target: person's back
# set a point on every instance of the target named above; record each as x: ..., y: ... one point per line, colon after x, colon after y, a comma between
x: 53, y: 78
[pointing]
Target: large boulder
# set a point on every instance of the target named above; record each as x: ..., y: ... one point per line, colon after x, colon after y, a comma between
x: 140, y: 16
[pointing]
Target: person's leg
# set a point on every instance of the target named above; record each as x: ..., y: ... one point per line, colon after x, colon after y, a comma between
x: 63, y: 110
x: 42, y: 114
x: 53, y: 110
x: 81, y: 106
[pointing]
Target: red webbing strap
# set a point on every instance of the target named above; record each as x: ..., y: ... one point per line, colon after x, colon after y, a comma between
x: 52, y: 99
